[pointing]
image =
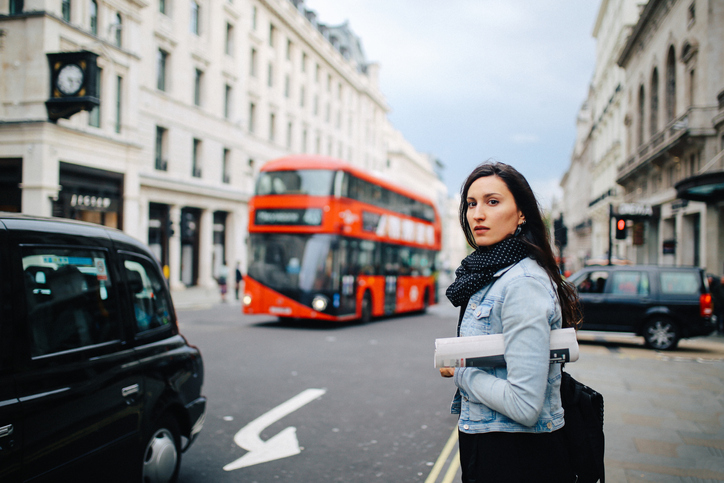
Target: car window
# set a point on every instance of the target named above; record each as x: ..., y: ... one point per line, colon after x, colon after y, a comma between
x: 680, y: 283
x: 593, y: 282
x: 69, y: 299
x: 150, y: 300
x: 629, y: 283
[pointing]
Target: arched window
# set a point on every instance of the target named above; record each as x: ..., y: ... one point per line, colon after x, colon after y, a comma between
x: 642, y: 103
x: 94, y: 17
x: 671, y: 85
x: 118, y: 29
x: 654, y: 101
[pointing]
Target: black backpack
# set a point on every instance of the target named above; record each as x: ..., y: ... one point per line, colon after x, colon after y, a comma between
x: 583, y: 431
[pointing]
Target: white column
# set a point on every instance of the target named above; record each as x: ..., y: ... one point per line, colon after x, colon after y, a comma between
x: 40, y: 184
x: 206, y: 249
x: 174, y: 250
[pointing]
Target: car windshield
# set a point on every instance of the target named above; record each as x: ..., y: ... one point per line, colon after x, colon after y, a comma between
x: 293, y: 262
x: 313, y: 182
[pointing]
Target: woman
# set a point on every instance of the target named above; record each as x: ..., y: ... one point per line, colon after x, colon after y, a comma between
x: 510, y: 284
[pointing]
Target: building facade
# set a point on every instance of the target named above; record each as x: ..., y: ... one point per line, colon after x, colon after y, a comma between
x: 194, y: 97
x: 656, y: 133
x: 674, y: 64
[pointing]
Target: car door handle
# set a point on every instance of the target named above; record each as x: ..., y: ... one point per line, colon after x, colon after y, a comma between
x: 6, y: 430
x: 130, y: 390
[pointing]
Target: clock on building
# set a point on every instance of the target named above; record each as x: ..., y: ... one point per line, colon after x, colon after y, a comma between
x: 73, y: 83
x: 70, y: 79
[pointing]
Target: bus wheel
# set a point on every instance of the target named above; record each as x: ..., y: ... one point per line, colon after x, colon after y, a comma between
x: 366, y: 308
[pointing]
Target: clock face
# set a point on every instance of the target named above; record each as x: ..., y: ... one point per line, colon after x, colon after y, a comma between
x: 70, y: 79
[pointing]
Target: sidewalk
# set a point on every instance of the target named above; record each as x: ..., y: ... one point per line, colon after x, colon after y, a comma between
x: 198, y: 298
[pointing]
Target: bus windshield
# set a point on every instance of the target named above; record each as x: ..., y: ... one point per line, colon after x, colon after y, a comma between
x: 313, y: 182
x: 293, y: 262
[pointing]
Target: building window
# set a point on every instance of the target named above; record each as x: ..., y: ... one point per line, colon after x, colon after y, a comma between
x: 163, y: 7
x: 252, y: 63
x: 691, y: 14
x: 315, y: 107
x: 671, y: 85
x: 94, y: 116
x: 162, y: 62
x: 94, y: 17
x: 304, y: 141
x: 272, y: 33
x: 289, y: 135
x: 253, y: 18
x: 252, y: 117
x: 195, y: 17
x: 225, y: 166
x: 198, y: 79
x: 692, y: 86
x: 227, y: 101
x: 161, y: 135
x: 642, y: 103
x: 16, y: 7
x: 119, y: 101
x: 272, y: 126
x: 304, y: 62
x: 196, y: 159
x: 286, y: 85
x: 316, y: 73
x: 301, y: 96
x: 65, y: 8
x: 229, y: 46
x: 117, y: 30
x: 270, y: 75
x: 289, y: 49
x: 654, y: 102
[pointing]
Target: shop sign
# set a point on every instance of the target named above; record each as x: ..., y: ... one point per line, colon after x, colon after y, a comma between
x: 92, y: 203
x: 635, y: 209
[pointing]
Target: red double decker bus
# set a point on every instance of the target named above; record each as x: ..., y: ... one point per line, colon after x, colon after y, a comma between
x: 328, y: 241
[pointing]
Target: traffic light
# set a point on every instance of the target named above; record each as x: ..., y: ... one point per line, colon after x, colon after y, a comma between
x: 169, y: 228
x: 620, y: 228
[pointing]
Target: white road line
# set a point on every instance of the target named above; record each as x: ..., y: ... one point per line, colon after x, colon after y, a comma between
x: 282, y: 445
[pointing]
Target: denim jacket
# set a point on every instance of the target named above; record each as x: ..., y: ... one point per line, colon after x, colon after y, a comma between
x: 524, y: 395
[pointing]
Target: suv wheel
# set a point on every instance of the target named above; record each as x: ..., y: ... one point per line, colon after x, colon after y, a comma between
x: 162, y: 453
x: 661, y: 334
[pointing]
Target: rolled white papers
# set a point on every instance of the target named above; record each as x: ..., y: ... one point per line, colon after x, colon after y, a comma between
x: 488, y: 350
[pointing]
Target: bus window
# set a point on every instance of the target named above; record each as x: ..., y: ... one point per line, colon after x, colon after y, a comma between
x: 313, y: 182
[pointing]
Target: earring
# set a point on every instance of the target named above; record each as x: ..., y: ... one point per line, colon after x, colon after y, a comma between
x: 518, y: 230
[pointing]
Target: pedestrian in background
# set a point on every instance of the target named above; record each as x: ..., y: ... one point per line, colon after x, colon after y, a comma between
x: 222, y: 281
x: 510, y: 416
x: 239, y: 278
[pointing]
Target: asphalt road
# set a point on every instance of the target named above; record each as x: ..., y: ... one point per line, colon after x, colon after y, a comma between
x: 381, y: 411
x: 383, y: 414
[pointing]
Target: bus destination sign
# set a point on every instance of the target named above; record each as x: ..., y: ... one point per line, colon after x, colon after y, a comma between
x: 308, y: 217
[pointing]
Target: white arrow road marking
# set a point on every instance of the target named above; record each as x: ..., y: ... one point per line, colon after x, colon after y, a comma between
x: 282, y: 445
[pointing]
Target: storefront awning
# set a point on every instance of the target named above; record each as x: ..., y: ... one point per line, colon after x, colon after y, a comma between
x: 707, y: 187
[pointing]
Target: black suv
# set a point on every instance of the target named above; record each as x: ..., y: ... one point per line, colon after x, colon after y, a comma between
x: 662, y: 304
x: 96, y: 384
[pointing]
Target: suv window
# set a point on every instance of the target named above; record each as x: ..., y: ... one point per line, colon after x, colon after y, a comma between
x: 69, y: 299
x: 629, y: 283
x: 593, y: 282
x: 680, y: 283
x: 150, y: 300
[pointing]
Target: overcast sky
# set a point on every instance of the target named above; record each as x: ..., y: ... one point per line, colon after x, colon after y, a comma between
x: 469, y: 80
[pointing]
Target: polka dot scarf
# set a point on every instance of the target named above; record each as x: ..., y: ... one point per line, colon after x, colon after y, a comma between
x: 478, y: 268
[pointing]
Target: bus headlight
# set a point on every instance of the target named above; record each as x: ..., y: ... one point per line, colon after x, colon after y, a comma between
x: 246, y: 299
x: 319, y: 303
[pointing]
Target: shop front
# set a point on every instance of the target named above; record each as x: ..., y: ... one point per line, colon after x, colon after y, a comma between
x: 90, y: 194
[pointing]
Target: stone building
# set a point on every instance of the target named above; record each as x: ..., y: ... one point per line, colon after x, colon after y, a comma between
x: 194, y: 97
x: 674, y: 64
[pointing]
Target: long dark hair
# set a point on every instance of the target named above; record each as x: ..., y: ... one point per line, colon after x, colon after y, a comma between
x: 534, y: 232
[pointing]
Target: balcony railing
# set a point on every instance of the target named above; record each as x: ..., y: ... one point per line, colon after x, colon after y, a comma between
x: 697, y: 121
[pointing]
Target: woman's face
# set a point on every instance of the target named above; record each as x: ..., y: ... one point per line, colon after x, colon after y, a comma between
x: 492, y: 213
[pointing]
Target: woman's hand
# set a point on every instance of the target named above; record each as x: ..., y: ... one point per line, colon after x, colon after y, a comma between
x: 447, y: 371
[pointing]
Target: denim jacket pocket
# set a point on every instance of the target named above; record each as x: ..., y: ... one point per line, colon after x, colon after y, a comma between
x: 477, y: 412
x: 478, y: 322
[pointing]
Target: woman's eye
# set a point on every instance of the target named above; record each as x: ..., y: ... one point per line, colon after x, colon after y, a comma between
x: 493, y: 202
x: 471, y: 204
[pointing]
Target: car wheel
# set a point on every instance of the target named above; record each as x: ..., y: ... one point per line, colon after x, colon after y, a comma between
x: 162, y: 452
x: 366, y: 308
x: 661, y: 334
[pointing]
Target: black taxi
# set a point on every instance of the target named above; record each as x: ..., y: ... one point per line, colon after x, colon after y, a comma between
x: 96, y: 383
